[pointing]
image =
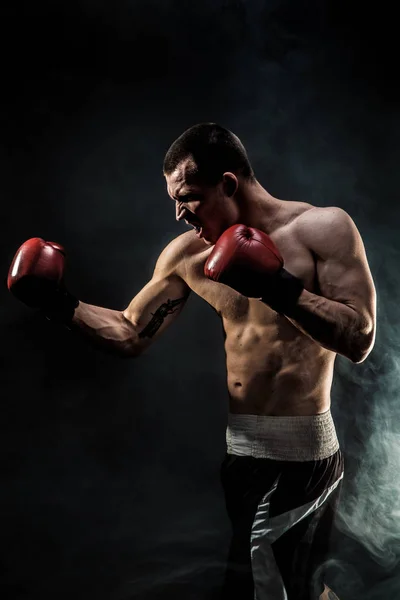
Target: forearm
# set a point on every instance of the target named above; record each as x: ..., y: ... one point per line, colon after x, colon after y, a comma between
x: 109, y: 329
x: 334, y: 325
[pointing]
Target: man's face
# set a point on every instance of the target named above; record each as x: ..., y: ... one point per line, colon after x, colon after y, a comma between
x: 209, y: 209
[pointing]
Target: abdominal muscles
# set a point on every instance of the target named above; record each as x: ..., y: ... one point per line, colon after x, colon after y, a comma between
x: 274, y: 369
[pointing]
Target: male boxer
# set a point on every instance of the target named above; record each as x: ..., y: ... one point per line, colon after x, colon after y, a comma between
x: 292, y: 286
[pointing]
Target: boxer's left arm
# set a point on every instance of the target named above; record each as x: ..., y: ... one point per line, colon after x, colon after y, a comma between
x: 342, y: 315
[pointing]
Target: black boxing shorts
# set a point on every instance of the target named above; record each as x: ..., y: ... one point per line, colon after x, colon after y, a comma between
x: 282, y: 478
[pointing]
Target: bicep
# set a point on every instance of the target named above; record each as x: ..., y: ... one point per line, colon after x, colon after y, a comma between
x: 156, y: 306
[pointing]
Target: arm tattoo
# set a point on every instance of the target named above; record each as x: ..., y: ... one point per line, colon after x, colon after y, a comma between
x: 158, y: 317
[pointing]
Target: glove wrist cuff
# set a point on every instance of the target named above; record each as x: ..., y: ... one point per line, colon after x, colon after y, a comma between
x: 284, y: 293
x: 63, y: 309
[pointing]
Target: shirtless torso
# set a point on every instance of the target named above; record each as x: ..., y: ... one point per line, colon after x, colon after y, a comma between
x: 273, y: 368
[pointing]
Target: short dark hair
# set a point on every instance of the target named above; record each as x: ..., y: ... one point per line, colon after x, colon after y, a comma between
x: 214, y: 151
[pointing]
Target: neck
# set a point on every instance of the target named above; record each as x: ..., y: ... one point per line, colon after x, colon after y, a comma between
x: 257, y: 208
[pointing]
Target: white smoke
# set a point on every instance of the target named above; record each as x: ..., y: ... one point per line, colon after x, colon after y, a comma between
x: 368, y: 413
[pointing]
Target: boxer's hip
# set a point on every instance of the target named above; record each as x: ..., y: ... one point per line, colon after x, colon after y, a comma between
x: 299, y: 438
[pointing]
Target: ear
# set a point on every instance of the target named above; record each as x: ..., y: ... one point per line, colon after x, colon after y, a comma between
x: 230, y: 183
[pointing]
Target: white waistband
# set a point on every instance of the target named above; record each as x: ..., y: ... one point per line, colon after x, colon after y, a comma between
x: 282, y: 438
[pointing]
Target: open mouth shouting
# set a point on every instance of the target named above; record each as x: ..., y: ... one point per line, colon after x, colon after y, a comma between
x: 196, y: 226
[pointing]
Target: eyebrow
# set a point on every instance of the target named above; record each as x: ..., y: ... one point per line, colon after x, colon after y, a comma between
x: 187, y: 193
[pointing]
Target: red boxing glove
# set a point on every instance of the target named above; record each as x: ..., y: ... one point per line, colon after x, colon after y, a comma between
x: 247, y: 260
x: 36, y: 278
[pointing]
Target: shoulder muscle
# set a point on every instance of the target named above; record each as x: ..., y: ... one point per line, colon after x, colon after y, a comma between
x: 330, y: 232
x: 172, y: 259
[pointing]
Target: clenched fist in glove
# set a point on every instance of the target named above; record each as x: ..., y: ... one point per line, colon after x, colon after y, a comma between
x: 247, y: 260
x: 36, y: 278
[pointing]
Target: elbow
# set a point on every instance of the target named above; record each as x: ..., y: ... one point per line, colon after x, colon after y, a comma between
x: 132, y: 350
x: 132, y: 346
x: 357, y: 357
x: 127, y: 351
x: 362, y: 347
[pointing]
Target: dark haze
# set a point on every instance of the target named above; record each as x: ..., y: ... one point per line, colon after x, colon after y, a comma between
x: 110, y: 469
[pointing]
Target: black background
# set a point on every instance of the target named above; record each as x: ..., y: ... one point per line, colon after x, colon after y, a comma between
x: 109, y: 486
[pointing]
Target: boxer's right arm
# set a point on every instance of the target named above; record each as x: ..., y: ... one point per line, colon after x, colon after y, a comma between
x: 129, y: 332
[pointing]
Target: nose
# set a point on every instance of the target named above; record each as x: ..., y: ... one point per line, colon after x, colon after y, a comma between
x: 179, y: 211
